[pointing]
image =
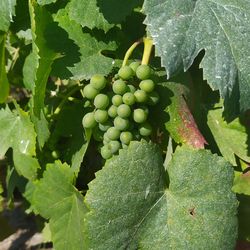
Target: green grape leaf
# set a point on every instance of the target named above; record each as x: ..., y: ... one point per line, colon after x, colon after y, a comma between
x: 242, y: 183
x: 83, y: 11
x: 38, y: 67
x: 130, y: 206
x: 231, y: 138
x: 56, y: 199
x: 181, y: 29
x: 99, y: 14
x: 7, y: 11
x: 181, y: 125
x: 91, y: 59
x: 44, y: 2
x: 17, y: 132
x: 4, y: 83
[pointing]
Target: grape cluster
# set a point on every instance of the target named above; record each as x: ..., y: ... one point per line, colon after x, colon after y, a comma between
x: 121, y: 108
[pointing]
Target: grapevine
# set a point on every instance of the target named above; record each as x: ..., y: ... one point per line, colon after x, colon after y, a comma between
x: 122, y: 116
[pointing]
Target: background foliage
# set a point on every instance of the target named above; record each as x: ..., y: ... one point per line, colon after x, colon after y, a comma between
x: 177, y: 192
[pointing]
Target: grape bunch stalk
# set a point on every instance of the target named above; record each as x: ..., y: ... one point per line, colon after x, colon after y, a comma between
x: 121, y: 108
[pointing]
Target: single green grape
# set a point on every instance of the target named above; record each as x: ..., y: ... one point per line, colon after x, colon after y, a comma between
x: 126, y: 137
x: 55, y: 154
x: 124, y: 111
x: 90, y: 92
x: 106, y: 139
x: 98, y: 81
x: 143, y: 72
x: 101, y: 116
x: 89, y: 121
x: 134, y: 66
x: 112, y: 111
x: 131, y: 88
x: 147, y: 85
x: 140, y: 96
x: 145, y: 129
x: 125, y: 72
x: 106, y: 152
x: 101, y: 101
x: 113, y: 133
x: 139, y: 115
x: 117, y: 100
x: 114, y: 146
x: 128, y: 98
x: 153, y: 98
x: 121, y: 123
x: 105, y: 126
x: 119, y: 87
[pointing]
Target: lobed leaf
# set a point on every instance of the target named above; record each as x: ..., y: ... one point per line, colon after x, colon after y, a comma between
x: 131, y: 207
x: 17, y: 132
x: 56, y: 199
x: 182, y: 28
x: 91, y: 59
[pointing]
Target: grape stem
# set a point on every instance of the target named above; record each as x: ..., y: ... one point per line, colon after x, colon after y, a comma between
x: 148, y: 45
x: 130, y: 51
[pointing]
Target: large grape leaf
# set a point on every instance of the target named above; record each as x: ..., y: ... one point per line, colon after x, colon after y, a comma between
x: 56, y: 199
x: 181, y: 125
x: 91, y: 59
x: 182, y: 28
x: 231, y: 138
x: 17, y: 132
x: 83, y: 11
x: 132, y: 208
x: 4, y: 83
x: 101, y: 14
x: 7, y: 11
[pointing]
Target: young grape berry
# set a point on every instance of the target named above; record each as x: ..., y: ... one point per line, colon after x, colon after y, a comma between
x: 143, y: 72
x: 125, y: 72
x: 98, y: 81
x: 89, y: 121
x: 101, y: 101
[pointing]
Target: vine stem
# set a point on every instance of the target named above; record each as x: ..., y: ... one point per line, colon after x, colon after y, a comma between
x: 148, y: 45
x: 129, y: 51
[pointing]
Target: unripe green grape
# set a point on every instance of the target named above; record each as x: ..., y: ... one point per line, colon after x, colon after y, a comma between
x: 143, y: 72
x: 125, y: 72
x: 119, y: 87
x: 121, y: 123
x: 117, y: 100
x: 134, y: 65
x: 90, y: 92
x: 145, y: 129
x: 98, y: 81
x: 147, y: 85
x: 113, y: 133
x: 106, y: 152
x: 139, y: 115
x: 128, y: 98
x: 126, y: 137
x: 131, y: 88
x: 101, y: 101
x: 124, y: 111
x: 153, y: 98
x: 112, y: 111
x: 88, y: 120
x: 101, y: 116
x: 114, y: 146
x: 140, y: 96
x: 55, y: 154
x: 106, y: 139
x: 105, y: 126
